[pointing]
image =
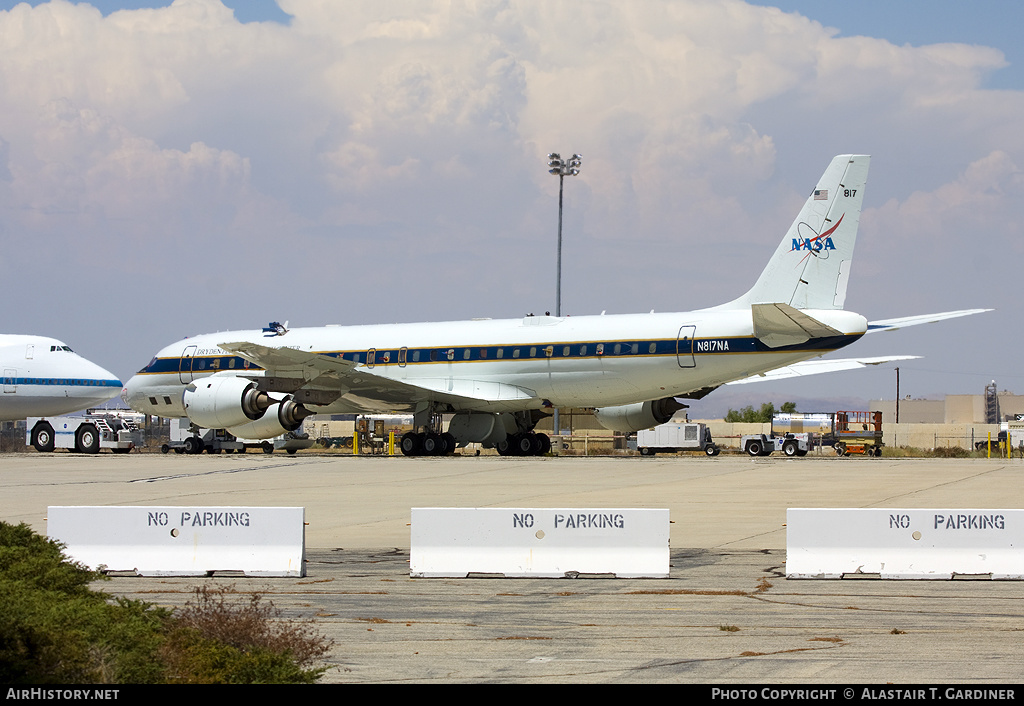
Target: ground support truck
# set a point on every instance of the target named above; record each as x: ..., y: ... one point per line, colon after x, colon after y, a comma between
x: 189, y: 439
x: 85, y: 434
x: 763, y: 444
x: 673, y: 437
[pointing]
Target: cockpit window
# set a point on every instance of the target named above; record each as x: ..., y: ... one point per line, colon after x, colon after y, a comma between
x: 151, y: 364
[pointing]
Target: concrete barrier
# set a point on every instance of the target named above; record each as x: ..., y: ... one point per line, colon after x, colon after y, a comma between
x: 183, y: 541
x: 904, y: 544
x: 532, y: 542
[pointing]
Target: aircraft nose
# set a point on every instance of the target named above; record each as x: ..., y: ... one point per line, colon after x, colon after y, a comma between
x: 135, y: 396
x: 130, y: 390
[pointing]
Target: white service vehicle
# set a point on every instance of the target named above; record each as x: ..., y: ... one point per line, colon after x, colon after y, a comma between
x: 185, y: 437
x: 669, y: 438
x: 87, y: 434
x: 763, y: 445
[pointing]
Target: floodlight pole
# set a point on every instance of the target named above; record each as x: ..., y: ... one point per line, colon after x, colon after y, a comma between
x: 558, y: 275
x: 561, y: 168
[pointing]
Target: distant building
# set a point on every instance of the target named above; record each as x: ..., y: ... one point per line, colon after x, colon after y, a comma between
x: 954, y: 409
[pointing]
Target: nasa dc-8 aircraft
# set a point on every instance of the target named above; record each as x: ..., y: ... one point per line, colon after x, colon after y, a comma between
x: 44, y: 377
x: 500, y: 377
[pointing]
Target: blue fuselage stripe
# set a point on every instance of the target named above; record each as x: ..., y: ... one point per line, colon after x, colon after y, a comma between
x: 510, y: 352
x: 61, y: 382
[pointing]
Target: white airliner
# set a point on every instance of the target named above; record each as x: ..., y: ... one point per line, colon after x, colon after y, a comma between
x: 43, y: 377
x: 500, y: 377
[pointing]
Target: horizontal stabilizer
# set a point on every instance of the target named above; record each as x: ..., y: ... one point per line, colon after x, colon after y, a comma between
x: 778, y: 325
x: 813, y: 367
x: 894, y: 324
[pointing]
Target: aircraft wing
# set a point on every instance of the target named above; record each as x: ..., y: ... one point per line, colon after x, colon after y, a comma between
x: 893, y: 324
x: 290, y: 370
x: 813, y: 367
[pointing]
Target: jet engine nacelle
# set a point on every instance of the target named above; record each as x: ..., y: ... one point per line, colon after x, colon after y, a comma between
x: 487, y: 428
x: 281, y: 417
x: 642, y: 415
x: 220, y: 402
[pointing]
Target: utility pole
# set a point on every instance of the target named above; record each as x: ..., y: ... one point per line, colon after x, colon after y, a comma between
x: 897, y: 395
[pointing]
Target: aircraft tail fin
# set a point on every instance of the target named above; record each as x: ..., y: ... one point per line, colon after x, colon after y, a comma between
x: 811, y: 267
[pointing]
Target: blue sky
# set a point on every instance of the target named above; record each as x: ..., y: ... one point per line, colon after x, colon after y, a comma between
x: 245, y: 10
x: 204, y: 166
x: 993, y: 23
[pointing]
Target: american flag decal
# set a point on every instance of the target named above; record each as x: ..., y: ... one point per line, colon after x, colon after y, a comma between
x: 821, y: 194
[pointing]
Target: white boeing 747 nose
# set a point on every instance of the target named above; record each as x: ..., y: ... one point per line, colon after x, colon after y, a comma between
x: 44, y: 377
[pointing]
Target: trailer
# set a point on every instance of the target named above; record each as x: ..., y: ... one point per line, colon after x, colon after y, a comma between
x: 672, y: 437
x: 85, y: 434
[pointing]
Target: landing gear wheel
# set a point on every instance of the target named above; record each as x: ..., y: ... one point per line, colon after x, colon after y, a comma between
x: 545, y: 444
x: 504, y: 446
x: 433, y: 445
x: 42, y: 437
x: 450, y: 442
x: 87, y: 439
x: 411, y: 444
x: 526, y: 445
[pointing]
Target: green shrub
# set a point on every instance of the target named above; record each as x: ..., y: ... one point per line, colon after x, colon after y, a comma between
x: 950, y: 452
x: 219, y: 640
x: 56, y: 629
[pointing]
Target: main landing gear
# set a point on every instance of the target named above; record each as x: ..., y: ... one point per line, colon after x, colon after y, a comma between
x: 511, y: 433
x: 527, y: 443
x: 427, y: 444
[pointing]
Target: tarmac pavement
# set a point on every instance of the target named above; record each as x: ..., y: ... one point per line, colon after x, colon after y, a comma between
x: 726, y: 614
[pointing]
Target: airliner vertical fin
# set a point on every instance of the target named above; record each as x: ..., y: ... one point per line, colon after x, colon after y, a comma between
x: 811, y: 267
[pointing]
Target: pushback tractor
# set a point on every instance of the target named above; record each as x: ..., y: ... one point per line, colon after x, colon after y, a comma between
x: 87, y: 434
